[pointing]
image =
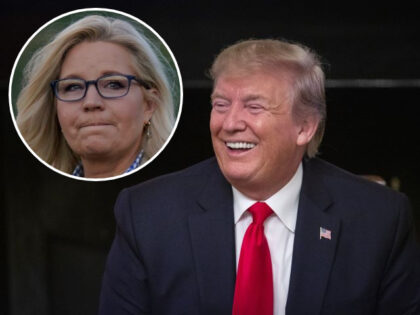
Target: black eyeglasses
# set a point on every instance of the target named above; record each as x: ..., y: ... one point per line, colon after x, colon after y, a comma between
x: 108, y: 86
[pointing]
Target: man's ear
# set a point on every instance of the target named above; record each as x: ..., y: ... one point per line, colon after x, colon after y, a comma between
x: 307, y: 128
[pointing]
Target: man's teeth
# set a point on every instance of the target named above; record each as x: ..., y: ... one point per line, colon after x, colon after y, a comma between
x: 240, y: 145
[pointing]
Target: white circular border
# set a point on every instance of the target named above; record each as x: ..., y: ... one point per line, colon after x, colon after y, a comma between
x: 181, y: 94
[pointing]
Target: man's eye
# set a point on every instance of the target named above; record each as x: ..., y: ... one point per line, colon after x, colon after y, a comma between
x: 219, y: 106
x: 254, y: 108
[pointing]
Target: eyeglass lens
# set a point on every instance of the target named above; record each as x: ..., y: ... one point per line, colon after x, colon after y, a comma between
x: 109, y: 86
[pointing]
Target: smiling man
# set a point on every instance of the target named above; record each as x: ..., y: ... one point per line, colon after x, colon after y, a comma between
x: 257, y: 140
x: 265, y: 228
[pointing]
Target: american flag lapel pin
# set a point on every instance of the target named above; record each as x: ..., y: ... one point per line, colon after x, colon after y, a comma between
x: 324, y: 233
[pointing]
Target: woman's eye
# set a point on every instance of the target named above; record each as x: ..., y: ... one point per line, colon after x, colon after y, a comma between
x: 114, y: 85
x: 73, y: 87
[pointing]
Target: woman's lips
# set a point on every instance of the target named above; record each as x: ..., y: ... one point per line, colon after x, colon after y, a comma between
x: 94, y: 124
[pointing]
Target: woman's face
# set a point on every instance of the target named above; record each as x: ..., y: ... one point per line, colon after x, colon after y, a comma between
x: 97, y: 128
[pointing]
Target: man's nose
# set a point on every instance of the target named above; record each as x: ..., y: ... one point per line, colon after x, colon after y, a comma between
x: 234, y: 118
x: 92, y: 100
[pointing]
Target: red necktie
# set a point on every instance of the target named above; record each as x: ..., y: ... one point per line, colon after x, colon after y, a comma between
x: 254, y: 280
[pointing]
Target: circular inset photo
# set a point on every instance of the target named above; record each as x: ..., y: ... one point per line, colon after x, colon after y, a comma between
x: 95, y: 94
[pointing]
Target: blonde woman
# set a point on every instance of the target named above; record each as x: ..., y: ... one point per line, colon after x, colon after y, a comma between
x: 97, y: 101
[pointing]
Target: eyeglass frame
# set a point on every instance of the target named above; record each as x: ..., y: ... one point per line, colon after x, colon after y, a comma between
x: 129, y: 77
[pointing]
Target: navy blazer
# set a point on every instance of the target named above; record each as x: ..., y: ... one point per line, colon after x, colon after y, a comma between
x: 174, y: 249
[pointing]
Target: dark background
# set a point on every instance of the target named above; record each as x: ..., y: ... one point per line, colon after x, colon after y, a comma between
x: 55, y: 232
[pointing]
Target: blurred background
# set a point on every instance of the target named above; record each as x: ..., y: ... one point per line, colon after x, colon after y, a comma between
x: 55, y: 232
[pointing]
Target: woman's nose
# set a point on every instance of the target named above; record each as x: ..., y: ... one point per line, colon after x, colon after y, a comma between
x: 92, y: 100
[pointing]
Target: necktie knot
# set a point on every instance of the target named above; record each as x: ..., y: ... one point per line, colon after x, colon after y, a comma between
x: 260, y: 212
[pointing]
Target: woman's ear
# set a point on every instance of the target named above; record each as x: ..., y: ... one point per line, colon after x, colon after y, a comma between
x: 151, y: 103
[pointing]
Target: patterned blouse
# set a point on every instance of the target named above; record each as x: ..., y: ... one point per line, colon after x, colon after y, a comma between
x: 79, y: 172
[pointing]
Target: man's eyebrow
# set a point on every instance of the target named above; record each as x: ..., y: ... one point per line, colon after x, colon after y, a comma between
x: 217, y: 95
x: 247, y: 98
x: 254, y: 97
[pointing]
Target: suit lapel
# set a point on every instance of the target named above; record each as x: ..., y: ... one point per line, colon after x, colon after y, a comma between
x: 213, y: 243
x: 312, y: 257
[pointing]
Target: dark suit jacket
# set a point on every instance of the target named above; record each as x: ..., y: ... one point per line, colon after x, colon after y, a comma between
x: 174, y: 249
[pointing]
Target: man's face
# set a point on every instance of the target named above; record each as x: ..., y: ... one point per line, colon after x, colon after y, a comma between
x: 257, y: 143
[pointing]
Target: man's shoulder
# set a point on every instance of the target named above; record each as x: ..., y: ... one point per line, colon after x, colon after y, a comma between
x: 171, y: 197
x: 187, y: 181
x: 339, y: 177
x: 349, y: 189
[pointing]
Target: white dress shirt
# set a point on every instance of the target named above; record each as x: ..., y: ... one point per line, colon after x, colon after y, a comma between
x: 279, y: 230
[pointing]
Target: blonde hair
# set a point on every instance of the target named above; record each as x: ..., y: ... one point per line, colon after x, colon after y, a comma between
x: 302, y: 65
x: 37, y: 116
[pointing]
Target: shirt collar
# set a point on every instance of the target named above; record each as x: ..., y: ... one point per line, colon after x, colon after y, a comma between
x: 284, y: 203
x: 79, y: 172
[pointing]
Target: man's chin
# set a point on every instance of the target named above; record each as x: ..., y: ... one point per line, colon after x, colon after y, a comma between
x: 237, y: 177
